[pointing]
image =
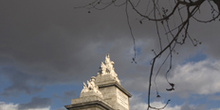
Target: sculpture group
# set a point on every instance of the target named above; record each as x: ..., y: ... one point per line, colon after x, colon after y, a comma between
x: 106, y: 68
x: 91, y: 88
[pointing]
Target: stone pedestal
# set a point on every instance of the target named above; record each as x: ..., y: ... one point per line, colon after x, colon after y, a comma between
x: 89, y: 103
x: 113, y: 93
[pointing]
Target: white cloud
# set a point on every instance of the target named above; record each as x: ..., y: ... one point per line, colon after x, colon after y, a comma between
x: 160, y: 104
x: 136, y: 103
x: 48, y: 108
x: 216, y: 109
x: 191, y: 78
x: 197, y: 78
x: 11, y: 106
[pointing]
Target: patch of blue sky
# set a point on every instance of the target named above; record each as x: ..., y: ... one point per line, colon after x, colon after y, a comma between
x: 140, y: 54
x: 215, y: 96
x: 199, y: 56
x: 198, y: 100
x: 174, y: 99
x: 3, y: 82
x: 176, y: 102
x: 214, y: 100
x: 22, y: 98
x: 194, y: 99
x: 56, y: 93
x: 138, y: 51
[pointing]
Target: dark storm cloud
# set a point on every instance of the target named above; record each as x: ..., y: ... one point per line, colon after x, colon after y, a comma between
x: 36, y: 102
x: 51, y: 42
x: 46, y: 42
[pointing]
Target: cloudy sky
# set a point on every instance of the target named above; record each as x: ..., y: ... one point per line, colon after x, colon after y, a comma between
x: 48, y: 48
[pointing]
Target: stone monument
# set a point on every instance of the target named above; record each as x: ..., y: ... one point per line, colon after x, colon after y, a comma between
x: 103, y: 92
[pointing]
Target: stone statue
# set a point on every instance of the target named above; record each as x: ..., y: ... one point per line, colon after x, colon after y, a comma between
x: 103, y: 68
x: 109, y: 64
x: 85, y: 88
x: 107, y: 68
x: 91, y: 89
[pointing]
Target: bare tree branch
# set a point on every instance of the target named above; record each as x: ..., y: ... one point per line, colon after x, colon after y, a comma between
x: 175, y: 22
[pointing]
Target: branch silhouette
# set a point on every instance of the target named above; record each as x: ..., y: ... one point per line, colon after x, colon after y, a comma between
x: 174, y: 18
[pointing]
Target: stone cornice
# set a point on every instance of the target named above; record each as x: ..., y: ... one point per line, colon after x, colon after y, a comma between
x: 96, y: 103
x: 116, y: 84
x: 86, y: 102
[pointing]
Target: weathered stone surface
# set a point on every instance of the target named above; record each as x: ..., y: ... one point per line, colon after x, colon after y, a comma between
x: 115, y: 95
x: 89, y: 103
